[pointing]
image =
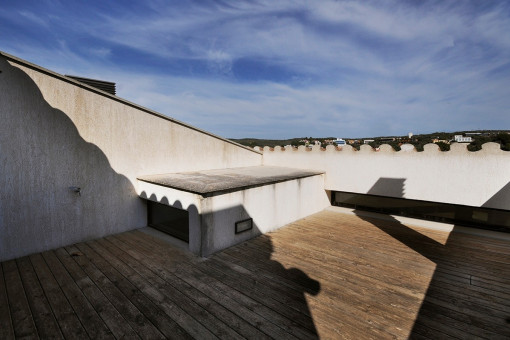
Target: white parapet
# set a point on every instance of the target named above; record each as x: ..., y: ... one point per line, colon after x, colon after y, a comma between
x: 458, y: 176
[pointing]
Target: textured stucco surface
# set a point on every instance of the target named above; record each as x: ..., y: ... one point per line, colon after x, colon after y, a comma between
x: 219, y: 181
x: 271, y: 206
x: 56, y: 134
x: 458, y: 176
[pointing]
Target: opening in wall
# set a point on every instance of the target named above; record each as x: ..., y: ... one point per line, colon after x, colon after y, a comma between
x: 170, y: 220
x: 477, y: 217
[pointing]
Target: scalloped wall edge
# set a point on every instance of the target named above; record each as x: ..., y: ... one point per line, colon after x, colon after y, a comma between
x: 487, y: 148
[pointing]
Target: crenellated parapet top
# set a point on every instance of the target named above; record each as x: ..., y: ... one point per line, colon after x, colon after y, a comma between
x: 455, y: 148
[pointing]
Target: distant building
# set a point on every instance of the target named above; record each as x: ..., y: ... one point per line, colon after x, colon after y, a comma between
x: 367, y: 141
x: 340, y: 142
x: 462, y: 139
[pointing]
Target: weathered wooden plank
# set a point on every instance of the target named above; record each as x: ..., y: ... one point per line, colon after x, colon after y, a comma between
x: 460, y: 259
x: 157, y: 316
x: 161, y: 255
x: 119, y: 317
x: 21, y: 316
x: 91, y: 321
x: 378, y: 279
x: 155, y: 261
x: 465, y: 242
x: 405, y: 279
x: 484, y: 296
x: 343, y: 295
x: 67, y: 319
x: 454, y: 250
x: 45, y: 321
x: 186, y: 321
x: 356, y: 299
x: 211, y: 322
x: 329, y: 326
x: 245, y: 307
x: 377, y: 255
x: 356, y: 321
x: 493, y: 316
x: 6, y: 330
x: 321, y: 269
x: 490, y: 284
x: 458, y: 324
x: 421, y: 330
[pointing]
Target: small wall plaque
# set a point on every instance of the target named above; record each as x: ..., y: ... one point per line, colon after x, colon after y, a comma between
x: 244, y: 225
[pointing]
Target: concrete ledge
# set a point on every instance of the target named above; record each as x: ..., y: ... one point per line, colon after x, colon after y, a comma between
x: 217, y: 182
x: 274, y: 198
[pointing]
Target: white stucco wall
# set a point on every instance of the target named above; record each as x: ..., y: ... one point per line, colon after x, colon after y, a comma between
x: 271, y: 207
x: 212, y: 219
x: 457, y: 176
x: 55, y: 134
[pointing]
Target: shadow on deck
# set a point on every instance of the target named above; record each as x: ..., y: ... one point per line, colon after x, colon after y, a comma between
x: 330, y: 275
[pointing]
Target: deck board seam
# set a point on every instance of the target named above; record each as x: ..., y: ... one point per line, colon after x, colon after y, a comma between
x: 7, y: 306
x: 152, y: 249
x: 103, y: 293
x: 147, y: 252
x: 152, y: 283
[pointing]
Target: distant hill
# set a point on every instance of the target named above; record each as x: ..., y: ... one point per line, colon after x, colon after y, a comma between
x: 252, y: 142
x: 442, y: 139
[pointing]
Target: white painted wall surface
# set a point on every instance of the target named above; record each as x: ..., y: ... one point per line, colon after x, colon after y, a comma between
x: 271, y: 207
x: 458, y: 176
x: 55, y: 134
x: 212, y: 219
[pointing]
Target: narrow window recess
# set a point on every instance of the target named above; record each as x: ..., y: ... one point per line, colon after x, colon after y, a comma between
x: 169, y: 220
x: 475, y: 217
x: 244, y: 225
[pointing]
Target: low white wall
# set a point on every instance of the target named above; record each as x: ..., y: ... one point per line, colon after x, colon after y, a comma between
x: 271, y: 207
x: 212, y: 219
x: 56, y: 134
x: 458, y: 176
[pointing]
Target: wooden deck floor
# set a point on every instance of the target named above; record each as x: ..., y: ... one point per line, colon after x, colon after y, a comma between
x: 330, y: 275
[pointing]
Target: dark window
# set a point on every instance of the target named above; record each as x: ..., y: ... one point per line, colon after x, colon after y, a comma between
x: 484, y: 218
x: 172, y: 221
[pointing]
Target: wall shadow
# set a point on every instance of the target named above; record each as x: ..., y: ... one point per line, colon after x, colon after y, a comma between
x: 500, y: 199
x: 254, y: 280
x: 468, y: 291
x: 43, y: 162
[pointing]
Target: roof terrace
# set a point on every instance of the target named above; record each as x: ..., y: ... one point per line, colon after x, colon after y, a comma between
x: 75, y: 263
x: 330, y: 275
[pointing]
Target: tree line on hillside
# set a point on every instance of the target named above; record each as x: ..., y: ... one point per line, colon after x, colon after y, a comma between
x: 442, y: 139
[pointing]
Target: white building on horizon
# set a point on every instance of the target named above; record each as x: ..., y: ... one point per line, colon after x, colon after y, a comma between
x: 462, y: 139
x: 339, y: 142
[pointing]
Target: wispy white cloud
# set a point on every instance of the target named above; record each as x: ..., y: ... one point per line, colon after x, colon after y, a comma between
x: 34, y: 18
x: 290, y: 68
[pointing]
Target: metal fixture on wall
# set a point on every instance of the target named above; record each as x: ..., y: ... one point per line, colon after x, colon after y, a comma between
x: 76, y: 190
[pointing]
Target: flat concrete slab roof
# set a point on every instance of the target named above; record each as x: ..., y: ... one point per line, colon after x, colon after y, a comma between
x: 216, y: 182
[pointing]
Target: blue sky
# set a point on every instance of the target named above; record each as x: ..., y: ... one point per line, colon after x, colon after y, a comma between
x: 280, y: 69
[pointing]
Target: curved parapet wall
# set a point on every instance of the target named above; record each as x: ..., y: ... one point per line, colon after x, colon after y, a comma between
x: 458, y: 176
